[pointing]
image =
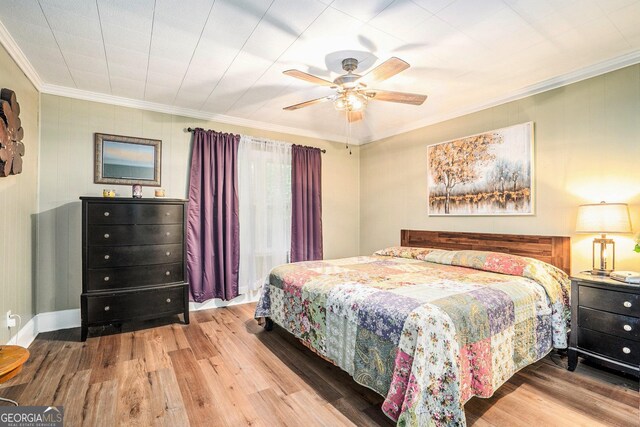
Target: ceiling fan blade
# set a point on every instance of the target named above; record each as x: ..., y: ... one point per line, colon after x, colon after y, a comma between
x: 308, y: 77
x: 401, y: 97
x: 307, y: 103
x: 387, y: 69
x: 354, y: 116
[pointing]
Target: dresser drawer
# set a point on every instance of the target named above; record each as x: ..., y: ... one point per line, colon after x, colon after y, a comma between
x: 609, y: 323
x: 129, y: 305
x: 134, y: 234
x: 131, y: 277
x: 124, y: 256
x: 134, y: 213
x: 627, y: 351
x: 607, y: 300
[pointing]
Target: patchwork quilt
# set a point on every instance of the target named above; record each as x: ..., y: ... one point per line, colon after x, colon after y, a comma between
x: 427, y: 329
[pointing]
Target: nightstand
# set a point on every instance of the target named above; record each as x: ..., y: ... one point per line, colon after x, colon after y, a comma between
x: 605, y: 322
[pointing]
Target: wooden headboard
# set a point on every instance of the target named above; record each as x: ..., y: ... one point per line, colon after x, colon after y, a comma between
x: 555, y: 250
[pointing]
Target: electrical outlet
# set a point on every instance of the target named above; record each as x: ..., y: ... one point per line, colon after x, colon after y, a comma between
x: 11, y: 321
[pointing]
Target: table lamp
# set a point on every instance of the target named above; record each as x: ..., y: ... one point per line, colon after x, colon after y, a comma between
x: 603, y: 218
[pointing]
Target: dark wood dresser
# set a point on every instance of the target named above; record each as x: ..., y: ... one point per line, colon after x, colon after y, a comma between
x: 605, y: 322
x: 133, y: 260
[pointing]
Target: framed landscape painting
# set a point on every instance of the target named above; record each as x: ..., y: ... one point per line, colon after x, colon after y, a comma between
x: 127, y: 160
x: 485, y: 174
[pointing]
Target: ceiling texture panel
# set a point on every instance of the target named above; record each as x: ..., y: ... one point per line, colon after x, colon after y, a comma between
x: 177, y: 28
x: 224, y: 58
x: 29, y: 28
x: 399, y: 18
x: 363, y: 11
x: 230, y: 24
x: 75, y: 25
x: 281, y: 25
x: 626, y: 20
x: 126, y: 30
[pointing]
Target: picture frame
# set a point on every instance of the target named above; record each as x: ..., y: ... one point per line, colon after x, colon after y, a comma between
x: 127, y: 160
x: 487, y: 174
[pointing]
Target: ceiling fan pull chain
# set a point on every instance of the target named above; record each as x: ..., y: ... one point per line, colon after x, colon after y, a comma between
x: 348, y: 130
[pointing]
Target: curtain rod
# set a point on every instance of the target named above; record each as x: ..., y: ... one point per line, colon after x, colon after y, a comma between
x: 321, y: 150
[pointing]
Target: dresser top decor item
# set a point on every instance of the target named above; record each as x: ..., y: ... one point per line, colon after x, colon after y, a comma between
x: 11, y: 134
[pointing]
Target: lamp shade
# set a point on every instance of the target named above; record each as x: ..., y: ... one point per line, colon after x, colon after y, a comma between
x: 603, y: 218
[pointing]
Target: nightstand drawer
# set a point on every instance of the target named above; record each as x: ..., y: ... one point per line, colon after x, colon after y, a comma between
x: 609, y: 323
x: 607, y: 300
x: 627, y: 351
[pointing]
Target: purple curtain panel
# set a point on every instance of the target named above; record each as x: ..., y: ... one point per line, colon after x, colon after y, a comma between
x: 306, y: 204
x: 213, y: 237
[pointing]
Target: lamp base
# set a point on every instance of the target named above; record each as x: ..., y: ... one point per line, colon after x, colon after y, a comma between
x: 599, y: 272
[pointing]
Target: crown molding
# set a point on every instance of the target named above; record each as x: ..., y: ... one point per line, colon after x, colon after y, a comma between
x: 185, y: 112
x: 19, y: 57
x: 575, y: 76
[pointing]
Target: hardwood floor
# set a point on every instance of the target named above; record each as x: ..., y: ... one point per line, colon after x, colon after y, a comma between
x: 225, y: 370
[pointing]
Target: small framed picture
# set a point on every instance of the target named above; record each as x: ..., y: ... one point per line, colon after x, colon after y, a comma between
x: 127, y: 160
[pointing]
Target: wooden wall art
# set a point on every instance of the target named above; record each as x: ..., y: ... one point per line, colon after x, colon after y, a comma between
x: 11, y: 134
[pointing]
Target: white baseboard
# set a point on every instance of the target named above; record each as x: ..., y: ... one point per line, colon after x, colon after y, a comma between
x: 56, y: 320
x: 251, y: 296
x: 25, y: 336
x: 66, y: 319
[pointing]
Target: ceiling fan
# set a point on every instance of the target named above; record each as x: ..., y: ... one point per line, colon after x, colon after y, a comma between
x: 352, y: 90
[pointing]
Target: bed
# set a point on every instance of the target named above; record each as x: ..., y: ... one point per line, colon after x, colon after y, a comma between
x: 431, y: 323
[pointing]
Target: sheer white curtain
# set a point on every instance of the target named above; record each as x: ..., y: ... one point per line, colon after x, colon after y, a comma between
x: 264, y: 193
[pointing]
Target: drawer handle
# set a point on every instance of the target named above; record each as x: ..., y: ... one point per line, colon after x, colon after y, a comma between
x: 627, y: 328
x: 168, y: 213
x: 107, y: 257
x: 106, y: 278
x: 106, y: 235
x: 107, y: 308
x: 106, y: 214
x: 167, y: 273
x: 168, y: 233
x: 168, y: 253
x: 168, y: 300
x: 626, y: 350
x: 627, y: 304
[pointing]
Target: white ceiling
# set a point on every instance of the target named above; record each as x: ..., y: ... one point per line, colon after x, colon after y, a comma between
x: 224, y: 58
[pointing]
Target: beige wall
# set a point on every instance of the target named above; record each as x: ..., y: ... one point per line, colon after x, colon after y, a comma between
x: 587, y: 146
x: 66, y: 173
x: 18, y: 202
x: 587, y: 149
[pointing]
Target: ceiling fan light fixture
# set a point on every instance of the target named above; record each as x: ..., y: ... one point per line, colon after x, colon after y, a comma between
x: 351, y: 101
x: 356, y: 101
